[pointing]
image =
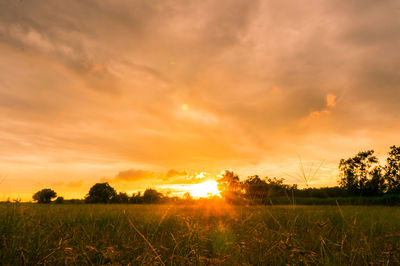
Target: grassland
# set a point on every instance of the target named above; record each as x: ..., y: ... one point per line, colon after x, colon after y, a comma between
x: 208, y: 233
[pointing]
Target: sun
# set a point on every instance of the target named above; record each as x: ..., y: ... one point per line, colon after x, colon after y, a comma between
x: 204, y: 189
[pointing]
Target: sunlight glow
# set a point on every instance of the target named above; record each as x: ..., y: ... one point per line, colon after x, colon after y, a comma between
x: 201, y: 175
x: 205, y: 189
x: 185, y: 107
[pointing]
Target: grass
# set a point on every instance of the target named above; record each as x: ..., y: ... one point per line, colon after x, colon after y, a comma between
x: 388, y: 200
x: 207, y: 233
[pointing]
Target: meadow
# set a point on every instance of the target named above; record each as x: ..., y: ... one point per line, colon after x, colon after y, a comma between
x: 203, y: 233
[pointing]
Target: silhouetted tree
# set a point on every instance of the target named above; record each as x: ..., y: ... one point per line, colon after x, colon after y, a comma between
x: 255, y: 188
x: 152, y: 196
x: 276, y: 187
x: 392, y: 170
x: 121, y: 197
x: 375, y: 185
x: 261, y: 190
x: 136, y: 198
x: 355, y: 172
x: 44, y: 195
x: 322, y: 192
x: 230, y: 186
x: 100, y: 193
x: 75, y: 201
x: 59, y: 200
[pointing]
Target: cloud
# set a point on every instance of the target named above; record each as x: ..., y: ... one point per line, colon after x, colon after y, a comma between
x: 149, y: 178
x: 174, y: 173
x: 138, y: 175
x: 199, y: 85
x: 330, y: 100
x: 134, y: 175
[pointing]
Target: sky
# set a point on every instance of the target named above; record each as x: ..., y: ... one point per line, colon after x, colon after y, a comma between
x: 160, y: 93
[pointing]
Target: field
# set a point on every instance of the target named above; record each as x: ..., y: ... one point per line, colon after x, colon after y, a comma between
x: 203, y: 234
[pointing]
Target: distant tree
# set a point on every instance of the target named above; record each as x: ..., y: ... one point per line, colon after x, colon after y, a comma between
x: 376, y: 185
x: 121, y: 197
x: 261, y: 190
x: 75, y: 201
x: 392, y: 170
x: 136, y: 198
x: 322, y: 192
x: 230, y: 186
x: 152, y: 196
x: 44, y: 195
x: 59, y: 200
x: 256, y: 189
x: 100, y: 193
x: 276, y: 187
x: 355, y: 172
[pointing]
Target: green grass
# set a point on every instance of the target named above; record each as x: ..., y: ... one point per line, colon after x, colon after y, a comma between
x: 198, y: 234
x: 387, y: 200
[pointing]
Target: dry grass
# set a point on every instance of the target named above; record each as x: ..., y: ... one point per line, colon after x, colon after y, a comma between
x: 207, y: 233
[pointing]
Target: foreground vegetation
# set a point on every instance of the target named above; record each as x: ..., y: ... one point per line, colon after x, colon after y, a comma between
x: 208, y: 232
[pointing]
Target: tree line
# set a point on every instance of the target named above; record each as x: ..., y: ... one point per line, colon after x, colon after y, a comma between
x: 359, y: 176
x: 104, y: 193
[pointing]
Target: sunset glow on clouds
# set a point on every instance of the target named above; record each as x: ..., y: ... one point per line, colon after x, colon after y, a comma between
x: 129, y: 91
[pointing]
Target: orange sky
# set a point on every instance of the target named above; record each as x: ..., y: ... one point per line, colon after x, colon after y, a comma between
x: 126, y: 91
